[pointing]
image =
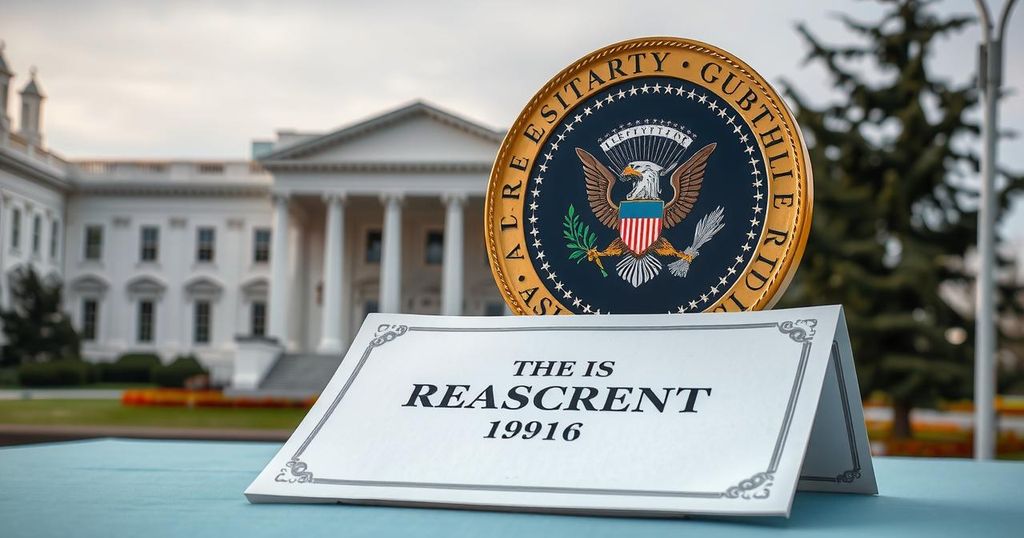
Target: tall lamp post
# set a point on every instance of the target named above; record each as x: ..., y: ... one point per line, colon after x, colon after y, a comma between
x: 990, y: 74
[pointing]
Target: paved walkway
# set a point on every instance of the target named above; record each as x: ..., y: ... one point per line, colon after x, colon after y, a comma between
x: 60, y: 394
x: 19, y: 434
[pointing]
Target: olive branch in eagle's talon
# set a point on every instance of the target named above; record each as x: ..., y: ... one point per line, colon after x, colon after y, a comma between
x: 581, y: 242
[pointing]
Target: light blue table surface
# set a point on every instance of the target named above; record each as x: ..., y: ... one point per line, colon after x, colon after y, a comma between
x: 193, y: 489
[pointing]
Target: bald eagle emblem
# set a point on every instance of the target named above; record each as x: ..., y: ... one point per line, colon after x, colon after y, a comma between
x: 641, y: 154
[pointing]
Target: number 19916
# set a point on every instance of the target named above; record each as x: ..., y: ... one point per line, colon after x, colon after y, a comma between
x: 529, y: 430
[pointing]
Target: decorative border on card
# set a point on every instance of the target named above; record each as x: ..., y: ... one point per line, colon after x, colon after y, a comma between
x: 756, y: 487
x: 854, y: 472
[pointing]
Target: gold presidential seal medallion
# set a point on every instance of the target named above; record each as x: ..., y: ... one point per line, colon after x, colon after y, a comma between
x: 654, y: 175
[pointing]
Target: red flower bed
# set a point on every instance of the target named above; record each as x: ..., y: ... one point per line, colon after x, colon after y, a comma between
x: 1008, y: 443
x: 1005, y: 405
x: 206, y: 398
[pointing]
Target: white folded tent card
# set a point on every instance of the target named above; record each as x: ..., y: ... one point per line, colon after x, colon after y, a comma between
x: 646, y: 415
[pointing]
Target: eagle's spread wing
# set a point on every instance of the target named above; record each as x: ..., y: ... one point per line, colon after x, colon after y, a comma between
x: 600, y: 181
x: 686, y: 182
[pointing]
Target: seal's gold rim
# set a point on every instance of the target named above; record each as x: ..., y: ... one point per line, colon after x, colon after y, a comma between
x: 793, y: 252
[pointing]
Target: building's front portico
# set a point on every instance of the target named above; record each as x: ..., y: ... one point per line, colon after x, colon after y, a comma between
x: 381, y: 216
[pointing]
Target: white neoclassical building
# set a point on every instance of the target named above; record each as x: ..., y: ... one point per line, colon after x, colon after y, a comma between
x: 262, y: 268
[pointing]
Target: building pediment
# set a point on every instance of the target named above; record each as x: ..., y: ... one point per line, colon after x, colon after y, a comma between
x: 418, y: 134
x: 89, y: 284
x: 256, y: 287
x: 203, y: 287
x: 146, y: 286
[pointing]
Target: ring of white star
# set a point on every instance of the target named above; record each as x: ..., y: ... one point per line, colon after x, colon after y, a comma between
x: 738, y: 128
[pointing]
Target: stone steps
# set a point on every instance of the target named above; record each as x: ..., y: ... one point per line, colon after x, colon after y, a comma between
x: 300, y: 374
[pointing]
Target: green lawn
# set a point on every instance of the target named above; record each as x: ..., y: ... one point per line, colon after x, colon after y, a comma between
x: 112, y: 413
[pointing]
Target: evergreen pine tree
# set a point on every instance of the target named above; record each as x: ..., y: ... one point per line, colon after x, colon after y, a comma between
x: 895, y: 207
x: 35, y: 328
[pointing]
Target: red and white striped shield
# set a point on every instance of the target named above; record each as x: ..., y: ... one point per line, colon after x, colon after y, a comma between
x: 640, y: 223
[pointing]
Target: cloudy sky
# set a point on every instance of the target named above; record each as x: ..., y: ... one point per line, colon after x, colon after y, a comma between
x: 161, y: 79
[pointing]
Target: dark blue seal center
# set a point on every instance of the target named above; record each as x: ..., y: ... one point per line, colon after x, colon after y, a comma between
x: 645, y: 259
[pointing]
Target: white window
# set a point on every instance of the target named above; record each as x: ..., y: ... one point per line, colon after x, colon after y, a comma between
x: 374, y: 245
x: 93, y: 242
x: 258, y: 318
x: 90, y: 319
x: 145, y: 321
x: 261, y: 245
x: 434, y: 248
x: 149, y: 243
x: 15, y: 228
x: 54, y: 239
x: 205, y: 241
x: 37, y: 234
x: 201, y: 322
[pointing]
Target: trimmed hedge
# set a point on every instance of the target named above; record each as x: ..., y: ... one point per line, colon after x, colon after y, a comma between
x: 59, y: 373
x: 129, y: 368
x: 175, y: 374
x: 9, y: 377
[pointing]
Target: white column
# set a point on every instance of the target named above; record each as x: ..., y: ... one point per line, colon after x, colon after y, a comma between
x: 238, y: 249
x: 391, y: 255
x: 177, y: 252
x: 278, y: 326
x: 4, y: 230
x: 118, y: 263
x: 334, y: 239
x: 451, y: 279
